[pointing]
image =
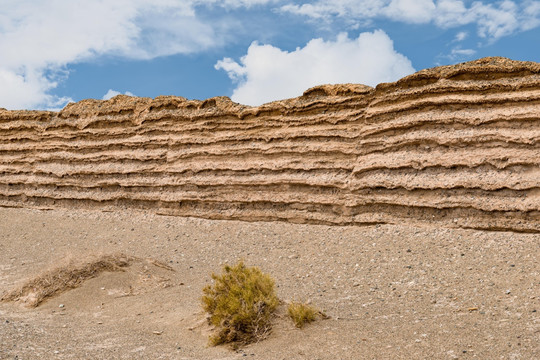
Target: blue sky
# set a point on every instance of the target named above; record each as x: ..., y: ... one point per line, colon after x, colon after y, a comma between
x: 254, y: 51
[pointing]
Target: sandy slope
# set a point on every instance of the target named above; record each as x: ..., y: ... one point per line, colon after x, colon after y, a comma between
x: 393, y: 292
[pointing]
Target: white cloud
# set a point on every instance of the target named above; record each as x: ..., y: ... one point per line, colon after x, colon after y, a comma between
x: 452, y: 13
x: 496, y: 22
x: 460, y: 36
x: 531, y: 18
x: 20, y: 92
x: 341, y: 8
x: 456, y: 54
x: 235, y: 71
x: 267, y: 73
x: 410, y: 11
x: 38, y: 39
x: 493, y: 19
x: 233, y: 3
x: 462, y: 52
x: 112, y: 93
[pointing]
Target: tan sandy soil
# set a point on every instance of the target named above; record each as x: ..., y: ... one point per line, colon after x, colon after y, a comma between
x: 393, y: 292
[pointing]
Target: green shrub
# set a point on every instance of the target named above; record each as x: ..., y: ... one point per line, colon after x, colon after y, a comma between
x: 240, y: 304
x: 301, y: 313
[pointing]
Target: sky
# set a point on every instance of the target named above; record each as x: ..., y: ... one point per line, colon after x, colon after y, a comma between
x: 53, y: 52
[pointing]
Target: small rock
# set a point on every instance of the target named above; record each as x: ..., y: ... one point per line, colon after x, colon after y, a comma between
x: 61, y: 305
x: 157, y: 332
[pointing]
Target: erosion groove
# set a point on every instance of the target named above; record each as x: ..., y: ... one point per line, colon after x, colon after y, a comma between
x: 455, y: 146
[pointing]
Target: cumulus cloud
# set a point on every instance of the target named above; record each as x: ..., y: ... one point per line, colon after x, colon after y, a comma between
x: 19, y: 92
x: 267, y: 73
x: 112, y: 93
x: 493, y: 19
x: 38, y: 39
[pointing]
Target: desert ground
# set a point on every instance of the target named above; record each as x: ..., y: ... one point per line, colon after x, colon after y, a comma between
x: 391, y: 291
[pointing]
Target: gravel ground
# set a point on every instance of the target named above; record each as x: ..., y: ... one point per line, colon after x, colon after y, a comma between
x: 392, y: 292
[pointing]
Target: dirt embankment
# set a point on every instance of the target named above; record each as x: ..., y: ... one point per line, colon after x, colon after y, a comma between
x: 456, y: 146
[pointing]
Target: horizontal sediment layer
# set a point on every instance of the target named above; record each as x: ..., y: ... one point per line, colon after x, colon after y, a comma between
x: 451, y: 146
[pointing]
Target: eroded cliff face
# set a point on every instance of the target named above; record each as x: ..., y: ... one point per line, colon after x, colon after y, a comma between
x: 453, y: 146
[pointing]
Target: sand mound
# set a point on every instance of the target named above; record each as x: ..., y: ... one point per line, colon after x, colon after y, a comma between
x: 72, y: 273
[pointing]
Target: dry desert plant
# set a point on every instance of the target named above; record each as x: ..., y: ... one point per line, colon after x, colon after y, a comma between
x: 64, y: 277
x: 302, y: 313
x: 240, y: 305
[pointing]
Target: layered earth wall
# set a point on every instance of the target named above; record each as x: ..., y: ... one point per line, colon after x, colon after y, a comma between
x: 451, y: 146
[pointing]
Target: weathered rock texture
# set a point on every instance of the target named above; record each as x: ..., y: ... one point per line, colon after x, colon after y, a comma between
x: 455, y: 146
